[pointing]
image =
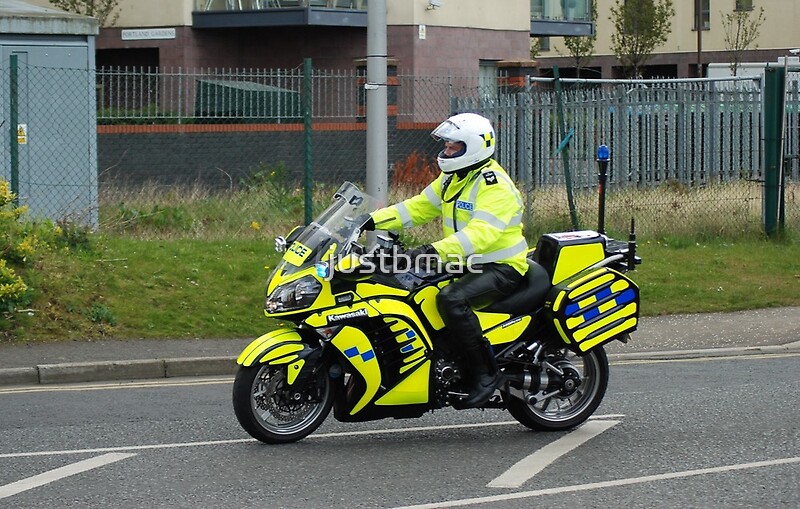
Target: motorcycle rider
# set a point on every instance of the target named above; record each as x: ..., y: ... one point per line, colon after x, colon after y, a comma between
x: 481, y: 212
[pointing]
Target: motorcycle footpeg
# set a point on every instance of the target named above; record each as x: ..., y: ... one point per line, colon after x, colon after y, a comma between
x: 456, y: 399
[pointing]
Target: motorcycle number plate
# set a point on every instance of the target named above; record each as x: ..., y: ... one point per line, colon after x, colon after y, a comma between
x: 297, y: 254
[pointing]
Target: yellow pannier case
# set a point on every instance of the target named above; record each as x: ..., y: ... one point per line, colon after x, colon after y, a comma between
x: 593, y: 307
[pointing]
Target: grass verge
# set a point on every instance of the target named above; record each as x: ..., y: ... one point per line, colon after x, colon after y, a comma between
x: 189, y: 288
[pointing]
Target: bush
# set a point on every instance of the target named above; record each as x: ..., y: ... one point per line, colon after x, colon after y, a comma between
x: 13, y: 290
x: 161, y: 218
x: 22, y: 241
x: 415, y: 170
x: 17, y: 245
x: 281, y: 195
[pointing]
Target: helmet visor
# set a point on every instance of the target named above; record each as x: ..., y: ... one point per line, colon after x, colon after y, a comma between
x: 446, y: 131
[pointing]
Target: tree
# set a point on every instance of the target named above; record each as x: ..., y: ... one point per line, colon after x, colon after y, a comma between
x: 639, y: 27
x: 581, y: 49
x: 536, y: 47
x: 103, y: 10
x: 741, y: 30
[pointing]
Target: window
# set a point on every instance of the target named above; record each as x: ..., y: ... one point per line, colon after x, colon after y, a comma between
x: 705, y: 13
x: 744, y: 5
x: 544, y: 43
x: 576, y: 10
x: 537, y: 9
x: 487, y: 79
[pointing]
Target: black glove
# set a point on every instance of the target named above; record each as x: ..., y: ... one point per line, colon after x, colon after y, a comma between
x: 425, y: 253
x: 366, y: 222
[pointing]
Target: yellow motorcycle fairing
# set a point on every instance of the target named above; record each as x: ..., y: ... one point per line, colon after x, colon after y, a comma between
x: 324, y: 299
x: 278, y: 347
x: 509, y: 329
x: 405, y: 378
x: 355, y: 345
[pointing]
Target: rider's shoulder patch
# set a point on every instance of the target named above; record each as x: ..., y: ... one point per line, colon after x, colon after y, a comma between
x: 489, y: 177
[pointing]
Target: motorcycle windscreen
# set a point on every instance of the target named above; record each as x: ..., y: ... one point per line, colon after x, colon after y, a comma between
x: 327, y: 237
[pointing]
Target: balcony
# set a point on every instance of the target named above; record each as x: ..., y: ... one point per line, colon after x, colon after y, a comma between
x: 275, y: 13
x: 561, y: 17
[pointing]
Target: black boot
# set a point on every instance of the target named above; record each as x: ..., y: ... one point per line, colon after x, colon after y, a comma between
x: 486, y: 376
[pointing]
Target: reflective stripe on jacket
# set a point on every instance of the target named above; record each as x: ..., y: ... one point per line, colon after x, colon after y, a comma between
x: 481, y: 216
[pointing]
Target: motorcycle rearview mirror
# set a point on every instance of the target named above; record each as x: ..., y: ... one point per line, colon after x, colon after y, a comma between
x: 281, y: 242
x: 384, y: 242
x: 395, y: 236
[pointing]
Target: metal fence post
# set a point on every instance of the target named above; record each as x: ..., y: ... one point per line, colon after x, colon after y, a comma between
x: 564, y: 148
x: 714, y: 171
x: 13, y: 121
x: 774, y: 98
x: 307, y: 139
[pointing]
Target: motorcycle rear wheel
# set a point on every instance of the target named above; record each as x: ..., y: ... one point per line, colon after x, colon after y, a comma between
x: 274, y: 412
x: 564, y: 411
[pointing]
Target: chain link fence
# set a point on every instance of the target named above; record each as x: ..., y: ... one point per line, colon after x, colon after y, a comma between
x: 49, y: 148
x: 217, y: 153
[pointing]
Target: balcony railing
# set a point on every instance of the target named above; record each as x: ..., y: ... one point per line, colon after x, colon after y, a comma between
x: 555, y: 10
x: 258, y: 5
x: 561, y: 10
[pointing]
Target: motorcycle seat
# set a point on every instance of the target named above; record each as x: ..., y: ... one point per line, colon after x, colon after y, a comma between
x: 529, y: 296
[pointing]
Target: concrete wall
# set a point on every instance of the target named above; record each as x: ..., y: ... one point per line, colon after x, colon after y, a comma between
x: 453, y: 50
x: 496, y: 31
x: 494, y: 15
x: 283, y: 47
x: 514, y: 15
x: 777, y: 34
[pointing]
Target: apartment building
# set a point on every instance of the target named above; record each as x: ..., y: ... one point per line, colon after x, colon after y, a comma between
x: 679, y: 56
x: 459, y: 37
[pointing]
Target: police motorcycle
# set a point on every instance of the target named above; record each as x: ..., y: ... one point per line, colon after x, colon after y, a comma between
x: 367, y: 341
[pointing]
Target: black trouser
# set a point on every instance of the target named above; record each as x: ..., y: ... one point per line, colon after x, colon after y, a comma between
x: 474, y: 291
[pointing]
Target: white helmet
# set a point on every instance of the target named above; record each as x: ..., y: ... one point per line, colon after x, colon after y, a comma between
x: 477, y: 134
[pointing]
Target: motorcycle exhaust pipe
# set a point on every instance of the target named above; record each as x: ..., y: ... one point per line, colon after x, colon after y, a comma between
x: 523, y: 381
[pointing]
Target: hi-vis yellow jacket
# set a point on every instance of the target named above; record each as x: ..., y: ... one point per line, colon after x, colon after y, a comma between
x: 481, y: 215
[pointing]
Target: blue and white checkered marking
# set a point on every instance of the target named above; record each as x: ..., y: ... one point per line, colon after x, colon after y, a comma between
x: 621, y: 299
x: 366, y: 356
x: 410, y: 335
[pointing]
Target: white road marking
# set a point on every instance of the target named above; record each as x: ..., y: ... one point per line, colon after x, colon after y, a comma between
x: 59, y: 473
x: 246, y: 440
x: 116, y: 385
x: 189, y: 381
x: 748, y: 357
x: 606, y: 484
x: 531, y: 465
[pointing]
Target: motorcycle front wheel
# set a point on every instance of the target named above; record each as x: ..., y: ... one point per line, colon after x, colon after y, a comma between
x: 273, y: 411
x: 567, y: 404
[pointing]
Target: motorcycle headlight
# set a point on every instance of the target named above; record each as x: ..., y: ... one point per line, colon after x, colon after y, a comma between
x: 293, y: 296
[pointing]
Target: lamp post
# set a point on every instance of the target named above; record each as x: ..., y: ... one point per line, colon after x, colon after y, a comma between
x: 377, y: 127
